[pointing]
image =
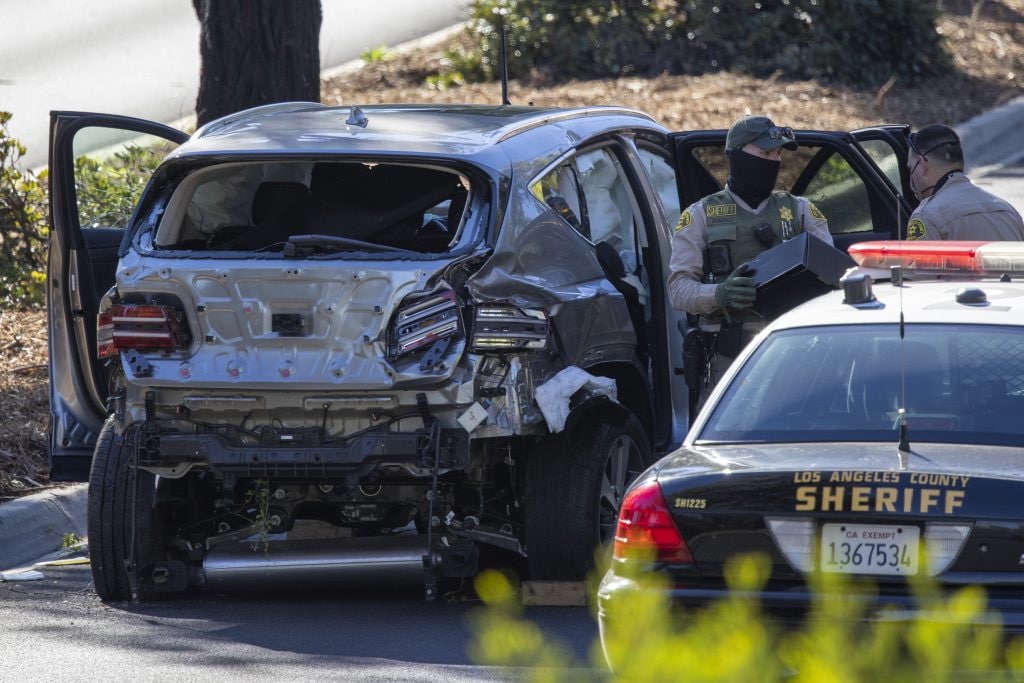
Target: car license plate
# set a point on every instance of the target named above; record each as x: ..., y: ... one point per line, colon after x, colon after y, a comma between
x: 870, y: 549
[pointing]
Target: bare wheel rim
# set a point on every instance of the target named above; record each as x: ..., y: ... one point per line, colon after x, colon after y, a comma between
x: 622, y: 466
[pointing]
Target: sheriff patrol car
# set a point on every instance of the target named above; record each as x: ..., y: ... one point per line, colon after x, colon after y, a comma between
x: 872, y: 431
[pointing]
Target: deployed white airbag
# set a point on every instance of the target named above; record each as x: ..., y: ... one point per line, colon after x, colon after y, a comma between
x: 553, y: 396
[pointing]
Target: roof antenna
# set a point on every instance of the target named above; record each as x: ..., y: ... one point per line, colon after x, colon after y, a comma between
x: 503, y: 59
x: 897, y: 280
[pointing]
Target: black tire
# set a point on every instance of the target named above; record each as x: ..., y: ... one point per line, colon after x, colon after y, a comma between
x: 111, y: 492
x: 573, y: 491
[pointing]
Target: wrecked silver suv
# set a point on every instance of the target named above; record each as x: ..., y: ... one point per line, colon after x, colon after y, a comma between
x: 342, y: 343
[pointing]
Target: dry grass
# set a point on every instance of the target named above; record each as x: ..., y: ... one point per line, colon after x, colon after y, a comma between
x: 23, y: 401
x: 985, y: 37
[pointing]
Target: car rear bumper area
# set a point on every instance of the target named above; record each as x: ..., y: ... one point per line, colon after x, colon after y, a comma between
x: 302, y: 452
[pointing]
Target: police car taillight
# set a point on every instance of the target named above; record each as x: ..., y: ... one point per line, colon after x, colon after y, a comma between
x: 646, y: 530
x: 994, y: 258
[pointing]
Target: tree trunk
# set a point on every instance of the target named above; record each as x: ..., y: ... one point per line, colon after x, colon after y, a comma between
x: 256, y: 52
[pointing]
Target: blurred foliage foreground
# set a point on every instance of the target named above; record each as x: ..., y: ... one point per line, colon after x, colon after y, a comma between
x: 951, y: 637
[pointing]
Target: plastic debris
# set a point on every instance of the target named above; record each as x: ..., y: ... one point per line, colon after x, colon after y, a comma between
x: 553, y: 396
x: 21, y: 575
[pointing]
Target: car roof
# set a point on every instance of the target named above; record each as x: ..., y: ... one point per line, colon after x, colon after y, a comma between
x: 931, y: 300
x: 441, y: 130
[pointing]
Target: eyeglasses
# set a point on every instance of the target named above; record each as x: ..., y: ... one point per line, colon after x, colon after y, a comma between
x: 780, y: 133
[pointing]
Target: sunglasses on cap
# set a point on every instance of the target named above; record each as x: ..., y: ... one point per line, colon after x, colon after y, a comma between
x: 780, y: 133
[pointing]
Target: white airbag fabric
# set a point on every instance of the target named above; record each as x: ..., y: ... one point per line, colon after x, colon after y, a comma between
x: 553, y: 396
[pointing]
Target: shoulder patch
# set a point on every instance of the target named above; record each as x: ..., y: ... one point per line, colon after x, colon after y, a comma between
x: 684, y: 220
x: 719, y: 210
x: 915, y: 229
x: 814, y: 211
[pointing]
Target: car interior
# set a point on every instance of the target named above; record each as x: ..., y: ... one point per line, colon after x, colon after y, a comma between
x: 259, y: 207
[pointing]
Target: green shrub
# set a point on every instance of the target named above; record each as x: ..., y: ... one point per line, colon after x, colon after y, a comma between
x: 107, y: 189
x: 870, y: 41
x: 859, y: 42
x: 581, y: 38
x: 733, y: 640
x: 23, y: 226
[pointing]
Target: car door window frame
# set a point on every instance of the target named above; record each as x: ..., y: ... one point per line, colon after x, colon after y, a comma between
x: 71, y: 296
x: 693, y: 178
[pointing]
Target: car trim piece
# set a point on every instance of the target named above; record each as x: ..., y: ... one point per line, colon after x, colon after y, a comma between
x: 574, y: 114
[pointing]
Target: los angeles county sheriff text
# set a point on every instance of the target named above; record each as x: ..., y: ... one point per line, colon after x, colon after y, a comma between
x: 907, y: 492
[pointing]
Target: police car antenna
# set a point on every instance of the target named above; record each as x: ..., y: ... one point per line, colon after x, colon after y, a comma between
x: 503, y: 65
x: 897, y: 280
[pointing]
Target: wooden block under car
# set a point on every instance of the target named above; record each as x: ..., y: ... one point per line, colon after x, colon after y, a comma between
x: 554, y: 593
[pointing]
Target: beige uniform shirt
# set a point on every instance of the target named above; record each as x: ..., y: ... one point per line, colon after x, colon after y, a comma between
x: 961, y: 210
x: 686, y: 290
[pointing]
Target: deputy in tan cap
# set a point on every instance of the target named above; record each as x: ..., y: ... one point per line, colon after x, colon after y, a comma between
x: 716, y: 236
x: 952, y: 207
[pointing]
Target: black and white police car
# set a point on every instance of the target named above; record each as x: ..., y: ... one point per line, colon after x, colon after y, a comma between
x: 872, y: 431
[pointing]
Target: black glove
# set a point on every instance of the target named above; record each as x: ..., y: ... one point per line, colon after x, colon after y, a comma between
x: 737, y: 291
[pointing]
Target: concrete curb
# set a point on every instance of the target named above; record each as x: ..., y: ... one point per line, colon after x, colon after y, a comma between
x: 33, y: 526
x: 993, y: 138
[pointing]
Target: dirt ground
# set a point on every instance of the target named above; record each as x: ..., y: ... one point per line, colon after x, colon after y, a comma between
x: 986, y: 39
x: 987, y: 46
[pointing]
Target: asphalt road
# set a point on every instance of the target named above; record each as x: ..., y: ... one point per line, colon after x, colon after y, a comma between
x: 57, y: 629
x: 1005, y: 181
x: 141, y: 57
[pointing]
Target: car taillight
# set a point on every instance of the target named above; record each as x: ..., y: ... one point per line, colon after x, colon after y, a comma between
x: 646, y: 530
x: 422, y: 320
x: 140, y: 327
x: 508, y: 328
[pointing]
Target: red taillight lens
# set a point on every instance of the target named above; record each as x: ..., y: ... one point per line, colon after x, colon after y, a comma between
x: 141, y: 327
x: 646, y: 529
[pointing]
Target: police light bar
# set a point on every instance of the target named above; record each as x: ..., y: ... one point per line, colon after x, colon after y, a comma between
x: 945, y: 256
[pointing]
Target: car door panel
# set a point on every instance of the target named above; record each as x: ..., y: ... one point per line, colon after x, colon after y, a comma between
x: 81, y: 266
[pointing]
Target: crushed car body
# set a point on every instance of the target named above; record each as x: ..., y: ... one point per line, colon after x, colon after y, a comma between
x: 342, y: 317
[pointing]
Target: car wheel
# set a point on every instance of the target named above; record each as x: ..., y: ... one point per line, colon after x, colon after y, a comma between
x: 112, y: 489
x: 575, y: 483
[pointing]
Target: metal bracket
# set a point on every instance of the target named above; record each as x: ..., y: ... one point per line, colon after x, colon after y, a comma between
x: 434, y: 353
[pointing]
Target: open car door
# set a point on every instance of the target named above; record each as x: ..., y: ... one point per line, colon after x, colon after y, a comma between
x: 99, y: 165
x: 858, y: 180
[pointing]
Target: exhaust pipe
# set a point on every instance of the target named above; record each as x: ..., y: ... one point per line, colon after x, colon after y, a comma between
x: 316, y: 562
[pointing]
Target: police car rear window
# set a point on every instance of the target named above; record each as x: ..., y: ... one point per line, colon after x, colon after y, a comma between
x: 958, y: 384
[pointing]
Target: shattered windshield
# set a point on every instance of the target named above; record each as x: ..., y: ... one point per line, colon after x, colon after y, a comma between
x: 259, y: 207
x: 958, y: 384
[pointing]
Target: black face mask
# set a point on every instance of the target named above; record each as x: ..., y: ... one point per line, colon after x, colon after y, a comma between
x: 751, y: 178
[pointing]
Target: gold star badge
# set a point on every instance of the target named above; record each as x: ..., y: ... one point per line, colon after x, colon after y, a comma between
x: 915, y: 230
x: 785, y: 214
